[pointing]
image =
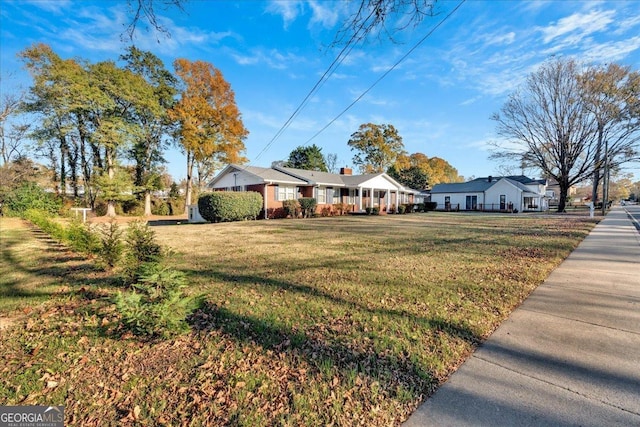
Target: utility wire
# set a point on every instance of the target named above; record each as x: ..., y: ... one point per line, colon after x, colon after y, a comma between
x: 325, y: 76
x: 386, y: 72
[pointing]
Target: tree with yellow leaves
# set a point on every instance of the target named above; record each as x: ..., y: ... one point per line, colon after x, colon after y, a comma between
x: 209, y: 123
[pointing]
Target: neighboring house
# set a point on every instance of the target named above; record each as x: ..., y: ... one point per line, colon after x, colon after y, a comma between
x: 277, y: 184
x: 553, y: 193
x: 503, y: 194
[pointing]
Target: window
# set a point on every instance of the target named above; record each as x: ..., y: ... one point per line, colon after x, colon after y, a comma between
x: 237, y: 188
x: 352, y: 196
x: 286, y: 192
x: 321, y: 196
x: 330, y: 194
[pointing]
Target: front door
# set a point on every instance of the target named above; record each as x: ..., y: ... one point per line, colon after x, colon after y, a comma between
x: 472, y: 203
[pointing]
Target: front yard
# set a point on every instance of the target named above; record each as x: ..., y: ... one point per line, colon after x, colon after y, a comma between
x: 344, y: 321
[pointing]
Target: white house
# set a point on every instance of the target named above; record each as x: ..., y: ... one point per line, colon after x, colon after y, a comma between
x: 503, y: 194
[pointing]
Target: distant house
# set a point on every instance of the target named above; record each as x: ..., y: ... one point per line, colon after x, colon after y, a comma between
x: 502, y: 194
x: 277, y: 184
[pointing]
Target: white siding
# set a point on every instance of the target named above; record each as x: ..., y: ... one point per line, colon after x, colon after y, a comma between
x: 379, y: 183
x: 513, y: 193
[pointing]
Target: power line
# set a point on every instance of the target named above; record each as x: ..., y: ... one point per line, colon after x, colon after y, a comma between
x: 325, y: 76
x: 386, y: 72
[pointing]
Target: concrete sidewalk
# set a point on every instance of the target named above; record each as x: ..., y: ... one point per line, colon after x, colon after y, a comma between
x: 569, y: 356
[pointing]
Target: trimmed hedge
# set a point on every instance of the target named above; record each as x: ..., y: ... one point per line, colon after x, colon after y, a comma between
x: 221, y: 206
x: 430, y: 206
x: 308, y: 206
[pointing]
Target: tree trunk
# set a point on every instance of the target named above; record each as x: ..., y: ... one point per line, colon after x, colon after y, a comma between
x: 111, y: 204
x: 598, y: 163
x: 147, y: 203
x: 564, y: 191
x: 187, y: 201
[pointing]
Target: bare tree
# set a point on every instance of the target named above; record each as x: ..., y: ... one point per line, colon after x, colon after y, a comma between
x: 383, y: 18
x: 548, y: 123
x: 145, y: 10
x: 12, y: 134
x: 613, y: 94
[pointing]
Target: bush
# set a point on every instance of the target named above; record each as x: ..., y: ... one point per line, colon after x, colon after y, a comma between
x: 159, y: 207
x: 141, y: 249
x: 367, y: 210
x: 308, y: 206
x: 375, y: 211
x: 430, y: 206
x: 340, y: 208
x: 157, y: 306
x: 30, y: 196
x: 81, y: 238
x: 290, y: 207
x: 131, y: 207
x: 176, y: 205
x: 408, y: 208
x: 223, y: 206
x: 402, y: 209
x: 42, y: 220
x: 111, y: 246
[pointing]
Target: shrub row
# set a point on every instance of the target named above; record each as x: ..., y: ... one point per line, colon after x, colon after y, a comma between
x: 222, y: 206
x: 155, y: 304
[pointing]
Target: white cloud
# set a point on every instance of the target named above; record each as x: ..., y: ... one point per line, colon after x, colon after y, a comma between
x: 53, y: 6
x: 288, y: 10
x: 612, y: 51
x: 326, y: 14
x: 578, y: 26
x: 272, y: 58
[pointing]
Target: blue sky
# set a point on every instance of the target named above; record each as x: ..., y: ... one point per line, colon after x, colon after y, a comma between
x: 273, y: 52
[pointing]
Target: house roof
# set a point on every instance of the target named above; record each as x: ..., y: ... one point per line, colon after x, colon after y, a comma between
x: 265, y: 174
x: 480, y: 185
x: 283, y: 175
x: 475, y: 186
x: 313, y: 177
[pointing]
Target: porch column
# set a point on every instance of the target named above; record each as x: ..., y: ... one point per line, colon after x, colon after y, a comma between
x: 388, y: 200
x: 359, y: 198
x: 266, y: 214
x: 371, y: 198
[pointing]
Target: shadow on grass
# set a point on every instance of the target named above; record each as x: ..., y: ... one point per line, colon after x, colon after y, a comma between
x: 394, y: 368
x: 53, y: 269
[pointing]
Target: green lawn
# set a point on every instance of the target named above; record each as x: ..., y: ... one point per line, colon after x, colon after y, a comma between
x: 345, y: 321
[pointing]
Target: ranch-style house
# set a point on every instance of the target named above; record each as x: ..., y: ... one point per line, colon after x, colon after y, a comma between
x: 277, y: 184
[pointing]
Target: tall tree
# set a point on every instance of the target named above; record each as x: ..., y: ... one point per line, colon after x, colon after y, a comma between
x: 309, y: 158
x: 331, y: 160
x: 122, y: 94
x: 377, y: 147
x: 548, y: 123
x: 613, y: 97
x: 12, y: 133
x: 419, y: 171
x: 152, y: 119
x: 209, y: 122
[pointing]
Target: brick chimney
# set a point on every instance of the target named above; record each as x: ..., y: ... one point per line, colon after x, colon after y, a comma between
x: 346, y: 171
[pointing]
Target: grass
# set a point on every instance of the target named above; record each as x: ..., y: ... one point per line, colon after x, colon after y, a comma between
x: 344, y: 321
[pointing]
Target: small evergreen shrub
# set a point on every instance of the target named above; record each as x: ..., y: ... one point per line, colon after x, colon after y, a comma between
x: 141, y: 249
x: 368, y: 210
x: 402, y: 209
x: 221, y: 206
x: 159, y: 207
x: 308, y: 206
x: 82, y: 238
x: 375, y: 211
x: 111, y: 246
x: 157, y: 306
